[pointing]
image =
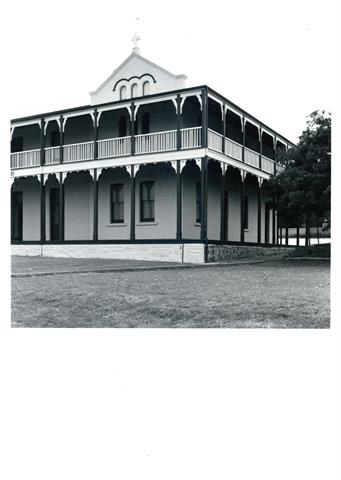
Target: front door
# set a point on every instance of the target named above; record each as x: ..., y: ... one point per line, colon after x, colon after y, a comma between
x: 54, y: 214
x: 17, y: 219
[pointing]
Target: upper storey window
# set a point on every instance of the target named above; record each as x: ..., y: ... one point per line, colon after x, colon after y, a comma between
x: 123, y: 92
x: 146, y: 88
x: 134, y: 90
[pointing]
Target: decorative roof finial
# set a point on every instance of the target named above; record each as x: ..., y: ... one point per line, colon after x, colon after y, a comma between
x: 135, y: 39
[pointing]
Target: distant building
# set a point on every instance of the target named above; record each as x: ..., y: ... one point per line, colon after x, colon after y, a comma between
x: 149, y: 170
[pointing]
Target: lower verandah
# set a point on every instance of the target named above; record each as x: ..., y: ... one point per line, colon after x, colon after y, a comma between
x: 79, y: 205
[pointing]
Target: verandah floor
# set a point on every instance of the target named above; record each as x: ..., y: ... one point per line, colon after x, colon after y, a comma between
x: 276, y: 294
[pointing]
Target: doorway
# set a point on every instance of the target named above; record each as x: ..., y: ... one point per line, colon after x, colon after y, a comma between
x: 54, y: 214
x: 17, y: 216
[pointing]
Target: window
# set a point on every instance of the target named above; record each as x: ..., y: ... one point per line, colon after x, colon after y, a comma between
x: 116, y: 203
x: 122, y: 127
x: 198, y: 203
x: 246, y: 213
x: 146, y: 88
x: 123, y: 92
x: 145, y: 123
x: 147, y: 202
x: 134, y: 90
x: 17, y: 144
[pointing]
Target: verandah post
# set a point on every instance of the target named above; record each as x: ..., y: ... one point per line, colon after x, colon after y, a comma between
x: 61, y: 207
x: 178, y: 202
x: 178, y: 122
x: 95, y: 225
x: 222, y: 205
x: 242, y: 207
x: 259, y: 211
x: 42, y: 142
x: 132, y: 128
x: 132, y: 202
x: 203, y: 233
x: 204, y: 117
x: 61, y: 137
x: 95, y: 134
x: 223, y: 128
x: 42, y: 210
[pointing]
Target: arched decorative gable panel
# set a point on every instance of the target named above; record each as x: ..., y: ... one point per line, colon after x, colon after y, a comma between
x: 123, y: 92
x: 139, y: 76
x: 134, y: 90
x: 146, y: 88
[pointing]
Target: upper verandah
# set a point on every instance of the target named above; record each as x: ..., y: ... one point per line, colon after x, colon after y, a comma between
x: 150, y: 98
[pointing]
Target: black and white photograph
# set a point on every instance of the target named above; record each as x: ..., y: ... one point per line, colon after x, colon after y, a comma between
x: 169, y: 239
x: 163, y: 203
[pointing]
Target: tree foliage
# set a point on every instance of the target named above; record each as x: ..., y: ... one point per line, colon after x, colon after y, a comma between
x: 303, y: 188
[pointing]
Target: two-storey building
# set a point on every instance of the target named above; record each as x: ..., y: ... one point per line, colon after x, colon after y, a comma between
x: 149, y: 170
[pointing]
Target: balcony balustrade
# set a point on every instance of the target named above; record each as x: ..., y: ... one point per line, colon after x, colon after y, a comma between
x: 52, y: 155
x: 251, y: 158
x: 191, y: 137
x: 147, y: 143
x: 114, y: 147
x: 28, y: 158
x: 78, y: 152
x: 268, y: 165
x: 214, y: 140
x: 233, y: 149
x: 155, y: 142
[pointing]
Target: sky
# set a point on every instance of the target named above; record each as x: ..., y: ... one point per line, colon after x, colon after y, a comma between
x: 275, y: 59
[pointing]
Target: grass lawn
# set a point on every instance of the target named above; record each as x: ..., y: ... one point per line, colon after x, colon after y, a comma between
x: 279, y: 294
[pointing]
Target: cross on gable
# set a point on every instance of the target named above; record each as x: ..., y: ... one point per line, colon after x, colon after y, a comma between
x: 135, y: 39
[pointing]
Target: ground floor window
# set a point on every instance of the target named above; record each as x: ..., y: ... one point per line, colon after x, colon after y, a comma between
x: 116, y: 203
x: 198, y: 203
x: 147, y: 202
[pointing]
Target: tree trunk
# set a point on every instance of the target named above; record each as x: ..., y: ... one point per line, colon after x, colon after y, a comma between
x: 297, y: 236
x: 280, y: 230
x: 286, y: 232
x: 307, y: 232
x: 317, y: 231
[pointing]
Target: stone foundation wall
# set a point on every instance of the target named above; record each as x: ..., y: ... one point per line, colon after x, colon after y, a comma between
x: 222, y: 253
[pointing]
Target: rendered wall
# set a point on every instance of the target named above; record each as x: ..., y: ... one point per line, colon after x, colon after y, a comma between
x: 213, y: 204
x: 190, y: 177
x: 31, y: 207
x: 233, y: 230
x: 251, y: 191
x: 78, y: 210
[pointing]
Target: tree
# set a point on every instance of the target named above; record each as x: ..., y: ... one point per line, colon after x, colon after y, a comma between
x: 303, y: 187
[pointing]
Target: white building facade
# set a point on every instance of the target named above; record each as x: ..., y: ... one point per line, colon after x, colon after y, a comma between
x: 149, y: 170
